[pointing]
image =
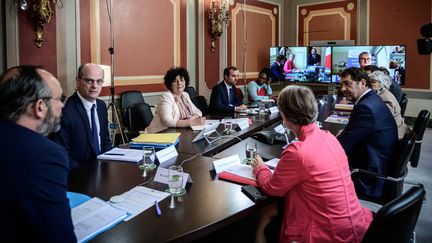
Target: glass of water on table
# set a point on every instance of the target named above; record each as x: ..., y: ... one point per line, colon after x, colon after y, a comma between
x: 251, y: 152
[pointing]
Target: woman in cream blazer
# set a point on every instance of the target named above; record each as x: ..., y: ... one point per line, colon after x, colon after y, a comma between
x: 175, y: 108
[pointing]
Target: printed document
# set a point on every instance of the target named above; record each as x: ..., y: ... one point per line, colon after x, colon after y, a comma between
x: 94, y: 217
x: 120, y: 154
x: 139, y: 199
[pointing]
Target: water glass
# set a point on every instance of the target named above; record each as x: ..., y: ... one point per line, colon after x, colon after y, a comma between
x: 175, y: 180
x: 261, y: 108
x: 251, y: 152
x: 148, y: 160
x: 228, y: 125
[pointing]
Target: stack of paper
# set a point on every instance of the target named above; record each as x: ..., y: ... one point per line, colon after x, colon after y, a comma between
x: 344, y: 107
x: 337, y: 119
x: 94, y: 217
x: 230, y: 168
x: 158, y: 140
x: 119, y: 154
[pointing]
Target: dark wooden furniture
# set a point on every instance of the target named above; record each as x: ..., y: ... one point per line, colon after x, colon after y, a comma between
x: 208, y: 205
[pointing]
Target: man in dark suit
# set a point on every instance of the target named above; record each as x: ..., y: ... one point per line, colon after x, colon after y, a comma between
x: 84, y: 127
x: 223, y: 98
x: 33, y: 169
x: 313, y: 59
x: 277, y: 73
x: 370, y: 137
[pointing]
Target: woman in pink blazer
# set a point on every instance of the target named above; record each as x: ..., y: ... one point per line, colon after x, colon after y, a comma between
x: 321, y: 204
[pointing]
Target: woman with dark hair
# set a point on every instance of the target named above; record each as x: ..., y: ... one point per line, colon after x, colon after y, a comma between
x: 320, y: 204
x: 175, y: 108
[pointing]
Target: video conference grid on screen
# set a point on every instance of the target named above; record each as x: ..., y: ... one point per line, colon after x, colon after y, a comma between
x: 323, y: 64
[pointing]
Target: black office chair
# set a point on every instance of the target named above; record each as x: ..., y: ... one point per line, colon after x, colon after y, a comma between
x: 403, y: 104
x: 419, y: 129
x: 396, y: 171
x: 191, y: 91
x: 395, y: 221
x: 128, y: 99
x: 201, y: 103
x: 139, y: 117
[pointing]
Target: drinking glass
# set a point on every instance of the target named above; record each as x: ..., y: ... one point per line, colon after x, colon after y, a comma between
x: 148, y: 160
x: 251, y: 152
x: 228, y: 125
x: 261, y: 109
x: 175, y: 180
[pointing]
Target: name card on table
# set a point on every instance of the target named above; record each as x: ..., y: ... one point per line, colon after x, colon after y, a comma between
x: 273, y: 109
x: 243, y: 124
x: 166, y: 154
x: 162, y: 177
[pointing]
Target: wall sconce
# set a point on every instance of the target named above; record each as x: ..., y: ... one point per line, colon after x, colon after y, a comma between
x: 219, y: 16
x: 40, y: 14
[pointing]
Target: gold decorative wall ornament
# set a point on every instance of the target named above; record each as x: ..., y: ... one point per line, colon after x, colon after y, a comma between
x: 41, y: 14
x: 219, y: 16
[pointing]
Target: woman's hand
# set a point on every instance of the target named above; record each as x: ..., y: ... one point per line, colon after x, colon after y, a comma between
x: 195, y: 121
x: 257, y: 162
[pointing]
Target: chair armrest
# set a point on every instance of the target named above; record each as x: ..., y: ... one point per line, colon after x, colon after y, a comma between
x: 384, y: 177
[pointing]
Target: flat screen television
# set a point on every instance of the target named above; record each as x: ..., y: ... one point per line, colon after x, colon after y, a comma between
x: 392, y: 57
x: 301, y: 63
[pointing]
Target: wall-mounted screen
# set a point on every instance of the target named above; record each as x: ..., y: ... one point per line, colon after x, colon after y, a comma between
x: 301, y: 63
x: 392, y: 57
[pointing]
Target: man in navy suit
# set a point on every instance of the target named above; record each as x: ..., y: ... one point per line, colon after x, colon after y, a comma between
x: 84, y: 126
x: 223, y: 98
x: 33, y: 169
x: 370, y: 137
x: 277, y: 73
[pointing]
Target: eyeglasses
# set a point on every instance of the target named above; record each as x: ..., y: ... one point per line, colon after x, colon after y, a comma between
x: 62, y: 98
x: 91, y: 81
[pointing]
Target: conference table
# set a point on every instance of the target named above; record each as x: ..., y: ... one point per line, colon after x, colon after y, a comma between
x: 209, y: 205
x: 203, y: 148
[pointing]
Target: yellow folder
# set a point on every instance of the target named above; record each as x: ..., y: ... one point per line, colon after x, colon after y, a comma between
x: 158, y: 138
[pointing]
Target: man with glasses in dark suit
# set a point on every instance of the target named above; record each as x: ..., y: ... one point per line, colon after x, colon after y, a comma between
x: 84, y: 127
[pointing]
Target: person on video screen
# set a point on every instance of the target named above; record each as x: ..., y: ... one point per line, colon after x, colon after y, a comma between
x: 364, y: 59
x: 313, y: 58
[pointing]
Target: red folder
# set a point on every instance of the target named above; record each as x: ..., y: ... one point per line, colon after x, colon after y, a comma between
x: 236, y: 178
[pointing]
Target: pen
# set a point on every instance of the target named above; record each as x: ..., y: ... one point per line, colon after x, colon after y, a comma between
x: 114, y: 154
x: 158, y: 211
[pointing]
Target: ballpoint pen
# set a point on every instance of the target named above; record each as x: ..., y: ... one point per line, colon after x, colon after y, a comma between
x: 114, y: 154
x: 158, y: 211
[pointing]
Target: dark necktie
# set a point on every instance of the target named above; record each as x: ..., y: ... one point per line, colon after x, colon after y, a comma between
x: 231, y: 96
x: 95, y: 140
